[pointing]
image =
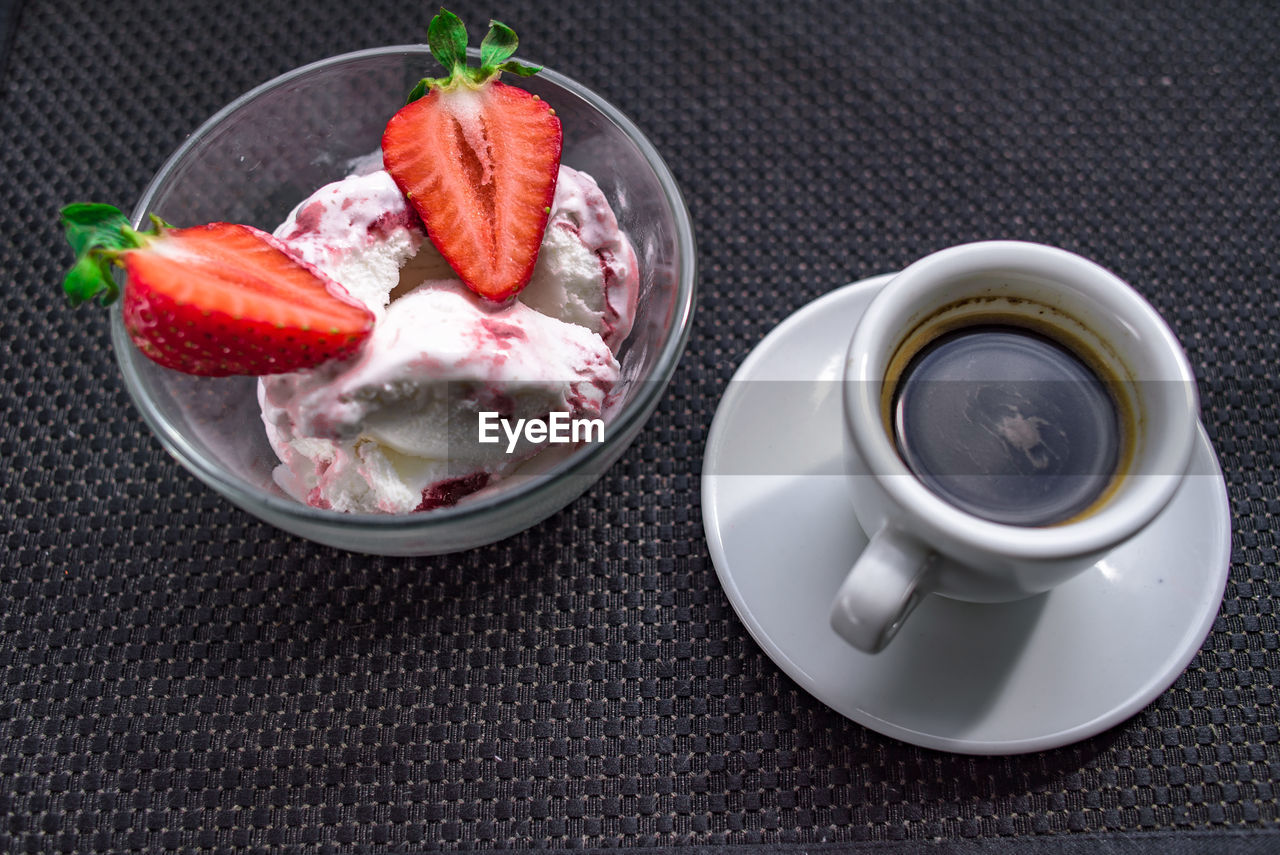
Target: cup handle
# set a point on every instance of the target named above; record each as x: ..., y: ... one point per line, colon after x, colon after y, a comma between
x: 881, y: 590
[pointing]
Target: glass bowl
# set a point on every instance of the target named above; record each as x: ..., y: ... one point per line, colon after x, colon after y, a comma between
x: 272, y: 147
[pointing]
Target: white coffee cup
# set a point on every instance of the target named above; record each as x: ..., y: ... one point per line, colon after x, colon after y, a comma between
x: 921, y: 543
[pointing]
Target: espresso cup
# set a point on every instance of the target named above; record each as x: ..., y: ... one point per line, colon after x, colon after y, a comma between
x: 1012, y: 413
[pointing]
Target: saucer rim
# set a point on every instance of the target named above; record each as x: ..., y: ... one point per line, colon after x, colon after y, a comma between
x: 1145, y: 692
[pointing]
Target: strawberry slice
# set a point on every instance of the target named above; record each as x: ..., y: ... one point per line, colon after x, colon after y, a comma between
x: 478, y: 160
x: 212, y: 300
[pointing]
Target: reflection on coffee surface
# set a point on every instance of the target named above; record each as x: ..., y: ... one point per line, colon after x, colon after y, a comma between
x: 1007, y: 424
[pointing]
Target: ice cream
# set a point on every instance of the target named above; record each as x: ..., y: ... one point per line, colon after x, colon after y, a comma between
x: 361, y: 232
x: 395, y: 429
x: 586, y: 272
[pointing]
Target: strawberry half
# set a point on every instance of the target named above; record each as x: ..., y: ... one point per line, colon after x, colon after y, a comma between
x: 212, y: 300
x: 478, y: 160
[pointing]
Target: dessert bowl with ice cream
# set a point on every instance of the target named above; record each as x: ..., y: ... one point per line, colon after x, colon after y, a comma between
x: 462, y: 344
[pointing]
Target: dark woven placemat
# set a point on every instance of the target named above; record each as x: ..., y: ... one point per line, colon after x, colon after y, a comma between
x: 174, y: 673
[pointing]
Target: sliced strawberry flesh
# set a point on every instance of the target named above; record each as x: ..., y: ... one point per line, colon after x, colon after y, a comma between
x: 244, y: 273
x: 227, y: 299
x: 480, y: 167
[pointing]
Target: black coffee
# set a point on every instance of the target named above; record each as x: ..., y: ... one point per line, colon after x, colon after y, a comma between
x: 1007, y: 425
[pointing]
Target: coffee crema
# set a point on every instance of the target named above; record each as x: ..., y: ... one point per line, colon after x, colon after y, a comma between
x: 1008, y: 424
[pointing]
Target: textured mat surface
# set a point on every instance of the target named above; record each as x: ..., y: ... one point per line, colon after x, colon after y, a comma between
x: 174, y: 673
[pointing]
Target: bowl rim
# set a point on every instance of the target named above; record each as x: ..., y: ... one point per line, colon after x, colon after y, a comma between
x: 625, y: 423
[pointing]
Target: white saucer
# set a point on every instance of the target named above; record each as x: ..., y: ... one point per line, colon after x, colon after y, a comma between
x: 975, y: 679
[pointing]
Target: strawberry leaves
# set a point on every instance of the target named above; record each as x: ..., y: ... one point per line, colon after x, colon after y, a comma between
x: 497, y: 47
x: 98, y: 234
x: 447, y: 38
